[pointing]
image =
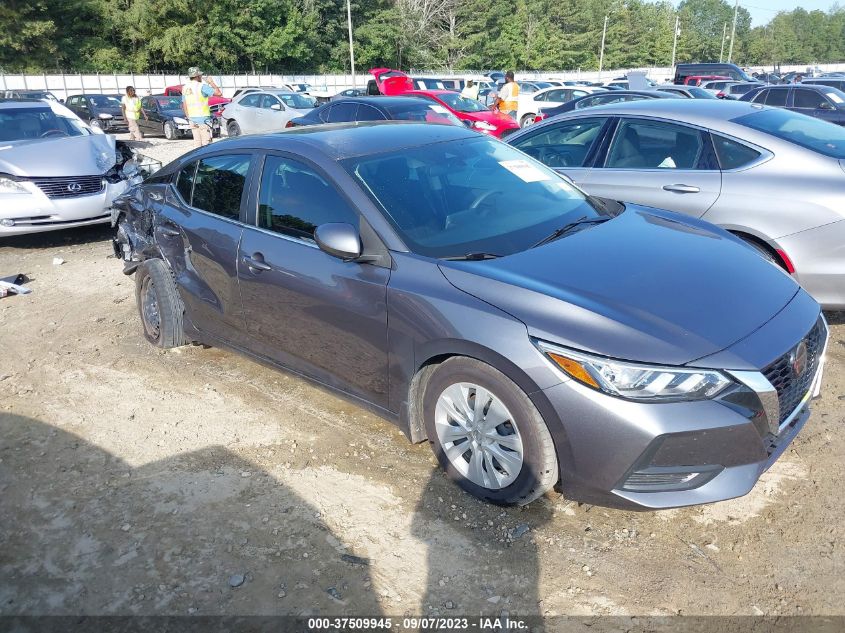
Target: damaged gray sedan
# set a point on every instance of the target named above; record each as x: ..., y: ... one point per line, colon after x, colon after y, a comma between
x: 55, y: 171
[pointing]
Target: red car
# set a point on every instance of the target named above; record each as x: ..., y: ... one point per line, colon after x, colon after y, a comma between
x: 389, y: 82
x: 215, y: 103
x: 697, y: 80
x: 479, y: 117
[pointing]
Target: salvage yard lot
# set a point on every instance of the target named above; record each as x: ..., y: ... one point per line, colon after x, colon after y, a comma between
x: 194, y: 481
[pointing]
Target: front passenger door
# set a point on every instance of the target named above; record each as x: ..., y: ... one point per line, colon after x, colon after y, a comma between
x: 659, y: 164
x: 306, y: 309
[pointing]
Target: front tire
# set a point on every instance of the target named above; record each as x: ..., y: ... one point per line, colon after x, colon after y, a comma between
x: 170, y: 131
x: 527, y: 120
x: 487, y: 434
x: 159, y: 304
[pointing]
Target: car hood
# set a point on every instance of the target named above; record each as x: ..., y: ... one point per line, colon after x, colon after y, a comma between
x: 496, y: 118
x: 647, y: 286
x: 66, y: 156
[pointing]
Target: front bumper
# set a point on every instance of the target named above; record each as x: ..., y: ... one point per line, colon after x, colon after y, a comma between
x: 636, y: 455
x: 35, y: 212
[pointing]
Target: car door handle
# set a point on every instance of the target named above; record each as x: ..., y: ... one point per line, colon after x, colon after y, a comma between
x: 681, y: 188
x: 257, y: 265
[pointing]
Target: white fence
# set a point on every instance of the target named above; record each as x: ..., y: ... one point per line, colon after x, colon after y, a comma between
x: 63, y: 85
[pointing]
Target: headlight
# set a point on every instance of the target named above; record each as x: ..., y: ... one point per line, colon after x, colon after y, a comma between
x: 8, y: 185
x: 105, y: 116
x: 484, y: 125
x: 180, y: 121
x: 633, y: 381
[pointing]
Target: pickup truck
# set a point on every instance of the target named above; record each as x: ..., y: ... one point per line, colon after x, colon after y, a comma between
x: 215, y: 103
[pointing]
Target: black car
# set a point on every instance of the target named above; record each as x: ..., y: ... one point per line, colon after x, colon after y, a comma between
x: 99, y: 110
x: 377, y: 109
x: 163, y: 115
x: 603, y: 98
x: 833, y: 82
x: 822, y: 102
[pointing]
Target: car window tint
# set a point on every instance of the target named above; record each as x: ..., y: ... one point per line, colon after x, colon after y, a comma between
x: 577, y: 93
x: 251, y: 100
x: 654, y: 145
x: 807, y: 99
x: 733, y: 155
x: 342, y: 112
x: 294, y: 200
x: 267, y: 101
x: 219, y: 185
x: 776, y: 97
x: 185, y: 182
x: 760, y: 97
x: 369, y: 113
x: 563, y: 145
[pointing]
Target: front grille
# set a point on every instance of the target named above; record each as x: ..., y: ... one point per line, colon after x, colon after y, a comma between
x: 70, y: 187
x: 791, y: 387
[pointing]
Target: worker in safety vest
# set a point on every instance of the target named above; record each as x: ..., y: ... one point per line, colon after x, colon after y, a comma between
x: 509, y: 96
x: 195, y: 96
x: 130, y: 104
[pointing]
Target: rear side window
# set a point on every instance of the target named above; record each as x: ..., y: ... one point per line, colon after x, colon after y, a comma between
x: 342, y: 112
x: 654, y: 145
x: 369, y: 113
x: 251, y: 100
x: 185, y: 182
x: 219, y: 185
x: 733, y: 155
x: 776, y: 97
x: 566, y: 144
x: 760, y: 97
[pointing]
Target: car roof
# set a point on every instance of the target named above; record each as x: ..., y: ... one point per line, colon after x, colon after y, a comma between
x: 19, y: 104
x: 711, y: 113
x: 337, y: 141
x: 385, y: 101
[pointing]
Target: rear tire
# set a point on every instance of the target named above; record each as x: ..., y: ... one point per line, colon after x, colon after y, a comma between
x: 170, y: 131
x: 527, y: 120
x: 503, y: 453
x: 159, y: 305
x: 233, y: 129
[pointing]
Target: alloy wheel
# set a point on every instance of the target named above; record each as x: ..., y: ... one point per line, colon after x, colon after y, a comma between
x: 479, y: 435
x: 149, y: 309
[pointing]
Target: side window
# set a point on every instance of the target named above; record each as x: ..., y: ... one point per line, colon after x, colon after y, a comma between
x: 807, y: 99
x: 369, y: 113
x: 342, y: 112
x: 148, y: 103
x: 219, y: 185
x: 251, y: 100
x: 654, y: 145
x: 563, y: 145
x: 760, y: 97
x: 294, y: 200
x: 733, y: 155
x: 776, y: 97
x: 185, y: 182
x: 577, y: 93
x: 324, y: 113
x: 268, y: 101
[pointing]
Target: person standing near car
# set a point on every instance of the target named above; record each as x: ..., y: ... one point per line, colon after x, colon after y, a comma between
x: 130, y: 104
x: 195, y: 96
x: 508, y: 99
x: 470, y: 91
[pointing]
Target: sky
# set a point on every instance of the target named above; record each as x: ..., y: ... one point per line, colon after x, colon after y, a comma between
x: 764, y: 10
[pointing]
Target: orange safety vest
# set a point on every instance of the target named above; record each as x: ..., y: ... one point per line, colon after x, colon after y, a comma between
x: 510, y: 98
x: 196, y: 102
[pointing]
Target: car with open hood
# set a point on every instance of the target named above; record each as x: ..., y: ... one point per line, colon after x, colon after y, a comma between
x: 470, y: 111
x: 531, y: 334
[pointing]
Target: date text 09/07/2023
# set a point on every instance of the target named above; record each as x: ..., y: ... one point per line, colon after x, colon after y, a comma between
x: 332, y: 624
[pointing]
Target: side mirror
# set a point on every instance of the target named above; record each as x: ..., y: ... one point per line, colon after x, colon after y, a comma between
x: 339, y: 240
x: 277, y: 107
x: 825, y: 105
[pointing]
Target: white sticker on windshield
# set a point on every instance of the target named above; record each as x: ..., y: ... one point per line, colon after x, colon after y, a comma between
x: 834, y: 97
x: 439, y: 108
x: 524, y: 170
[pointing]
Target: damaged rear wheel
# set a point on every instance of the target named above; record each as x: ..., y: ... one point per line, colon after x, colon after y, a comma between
x: 159, y: 304
x: 170, y: 131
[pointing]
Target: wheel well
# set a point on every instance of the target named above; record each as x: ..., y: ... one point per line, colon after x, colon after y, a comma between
x: 764, y: 245
x: 416, y: 425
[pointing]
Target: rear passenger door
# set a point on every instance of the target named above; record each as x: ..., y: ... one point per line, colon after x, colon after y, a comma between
x: 659, y: 164
x: 199, y: 230
x: 814, y: 104
x: 304, y: 308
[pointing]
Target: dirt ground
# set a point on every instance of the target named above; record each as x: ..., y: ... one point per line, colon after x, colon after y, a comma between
x: 195, y: 481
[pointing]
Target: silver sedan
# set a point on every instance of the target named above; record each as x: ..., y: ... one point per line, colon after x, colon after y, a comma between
x: 265, y: 111
x: 774, y: 178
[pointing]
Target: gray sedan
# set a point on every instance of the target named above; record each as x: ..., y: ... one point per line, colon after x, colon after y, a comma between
x: 774, y: 178
x: 530, y: 334
x: 264, y: 111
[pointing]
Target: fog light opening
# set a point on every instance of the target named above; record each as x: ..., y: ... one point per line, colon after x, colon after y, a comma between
x: 7, y: 222
x: 662, y: 479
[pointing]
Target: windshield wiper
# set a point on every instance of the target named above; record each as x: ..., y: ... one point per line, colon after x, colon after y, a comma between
x: 566, y: 228
x: 473, y: 257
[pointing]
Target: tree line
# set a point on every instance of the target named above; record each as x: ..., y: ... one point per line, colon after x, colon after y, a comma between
x: 310, y: 36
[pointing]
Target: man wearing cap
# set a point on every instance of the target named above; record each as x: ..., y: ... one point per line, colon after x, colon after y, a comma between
x: 195, y: 96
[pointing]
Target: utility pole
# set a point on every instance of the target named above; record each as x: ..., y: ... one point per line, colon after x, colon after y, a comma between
x: 724, y: 35
x: 601, y: 54
x: 351, y: 49
x: 675, y: 38
x: 733, y: 31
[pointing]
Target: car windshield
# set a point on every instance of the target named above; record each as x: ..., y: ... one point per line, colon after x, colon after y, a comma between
x: 169, y: 103
x: 815, y: 134
x: 423, y: 111
x: 23, y: 124
x: 298, y: 101
x: 461, y: 104
x: 104, y: 101
x: 473, y: 195
x: 700, y: 93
